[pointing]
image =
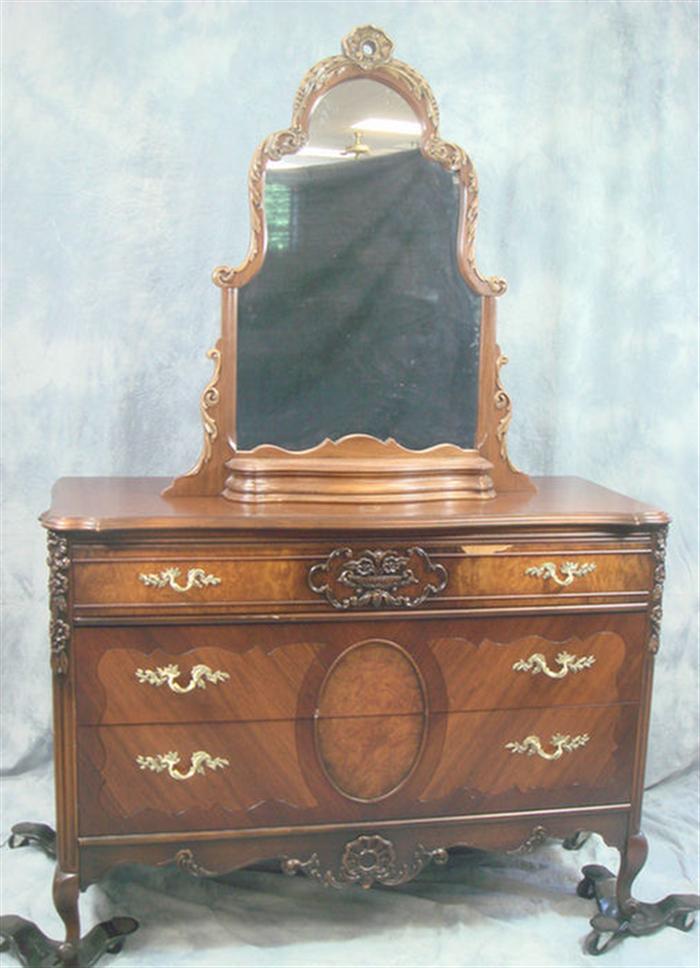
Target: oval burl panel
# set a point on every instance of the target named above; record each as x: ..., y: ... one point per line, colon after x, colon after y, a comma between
x: 371, y: 720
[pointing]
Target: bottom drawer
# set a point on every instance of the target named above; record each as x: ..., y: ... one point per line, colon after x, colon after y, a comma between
x: 257, y: 774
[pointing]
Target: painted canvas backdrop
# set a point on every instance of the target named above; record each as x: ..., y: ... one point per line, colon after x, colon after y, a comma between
x: 127, y: 129
x: 127, y: 132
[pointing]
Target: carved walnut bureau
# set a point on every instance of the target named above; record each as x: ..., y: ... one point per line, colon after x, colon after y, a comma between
x: 340, y: 651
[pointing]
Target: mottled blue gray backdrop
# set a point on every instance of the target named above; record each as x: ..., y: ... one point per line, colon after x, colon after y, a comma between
x: 127, y: 131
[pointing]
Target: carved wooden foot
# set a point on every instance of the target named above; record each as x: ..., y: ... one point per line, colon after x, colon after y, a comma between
x: 616, y: 921
x: 29, y: 834
x: 31, y: 946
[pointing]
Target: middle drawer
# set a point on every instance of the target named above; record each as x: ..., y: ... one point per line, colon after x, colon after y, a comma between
x: 252, y: 672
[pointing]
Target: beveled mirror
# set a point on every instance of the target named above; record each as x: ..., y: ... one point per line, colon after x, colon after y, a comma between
x: 357, y: 360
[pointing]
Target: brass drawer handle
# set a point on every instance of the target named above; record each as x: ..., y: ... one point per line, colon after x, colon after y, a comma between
x: 569, y: 569
x: 196, y: 578
x: 569, y: 663
x: 169, y: 761
x: 199, y: 677
x: 561, y: 743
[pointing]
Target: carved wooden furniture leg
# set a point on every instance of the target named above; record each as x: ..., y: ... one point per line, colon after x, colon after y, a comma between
x: 66, y: 895
x: 633, y: 857
x: 619, y: 914
x: 31, y: 946
x: 29, y: 834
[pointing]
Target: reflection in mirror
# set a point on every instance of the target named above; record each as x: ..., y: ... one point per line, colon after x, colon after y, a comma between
x: 359, y: 320
x: 356, y: 119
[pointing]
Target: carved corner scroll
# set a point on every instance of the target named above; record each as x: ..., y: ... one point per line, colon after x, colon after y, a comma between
x: 504, y: 407
x: 367, y: 52
x: 59, y: 576
x: 208, y: 401
x: 656, y: 610
x: 377, y: 579
x: 285, y: 142
x: 209, y: 408
x: 365, y: 861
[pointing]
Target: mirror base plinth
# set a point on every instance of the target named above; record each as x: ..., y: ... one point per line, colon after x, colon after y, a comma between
x: 358, y: 469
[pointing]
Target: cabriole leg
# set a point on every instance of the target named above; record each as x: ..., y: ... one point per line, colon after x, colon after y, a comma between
x: 634, y: 855
x: 66, y: 895
x: 32, y: 948
x: 619, y: 914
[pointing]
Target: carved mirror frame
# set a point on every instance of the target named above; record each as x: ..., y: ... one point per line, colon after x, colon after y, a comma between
x: 355, y: 468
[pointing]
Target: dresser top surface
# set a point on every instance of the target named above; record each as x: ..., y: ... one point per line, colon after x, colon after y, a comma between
x: 112, y: 504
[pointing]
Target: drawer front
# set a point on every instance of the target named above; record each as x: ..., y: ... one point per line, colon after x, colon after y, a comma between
x: 254, y: 671
x: 169, y: 674
x: 245, y: 775
x: 351, y: 577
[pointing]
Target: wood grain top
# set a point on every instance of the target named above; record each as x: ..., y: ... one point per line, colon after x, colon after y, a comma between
x: 110, y: 504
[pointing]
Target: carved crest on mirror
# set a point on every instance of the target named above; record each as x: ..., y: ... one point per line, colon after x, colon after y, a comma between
x: 358, y: 357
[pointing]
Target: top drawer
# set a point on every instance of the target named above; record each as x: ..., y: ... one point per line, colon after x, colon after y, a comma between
x: 354, y: 577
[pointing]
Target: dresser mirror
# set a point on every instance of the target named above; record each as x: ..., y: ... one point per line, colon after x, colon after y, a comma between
x: 359, y: 310
x: 358, y: 359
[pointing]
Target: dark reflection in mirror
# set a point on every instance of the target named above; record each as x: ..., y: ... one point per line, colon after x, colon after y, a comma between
x: 359, y: 320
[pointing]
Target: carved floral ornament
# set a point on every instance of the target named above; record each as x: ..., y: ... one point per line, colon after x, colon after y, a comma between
x: 377, y: 579
x: 367, y: 860
x: 656, y: 609
x: 59, y: 630
x: 368, y: 47
x: 367, y: 50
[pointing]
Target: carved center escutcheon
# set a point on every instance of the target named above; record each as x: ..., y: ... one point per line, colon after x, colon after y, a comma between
x: 371, y: 719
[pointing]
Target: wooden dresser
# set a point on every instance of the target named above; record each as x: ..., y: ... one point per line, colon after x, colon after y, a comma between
x: 353, y: 636
x: 352, y: 694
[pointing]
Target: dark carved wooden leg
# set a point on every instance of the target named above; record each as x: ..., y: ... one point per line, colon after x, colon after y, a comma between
x: 28, y: 834
x: 66, y: 894
x: 32, y: 948
x: 634, y: 855
x: 619, y: 914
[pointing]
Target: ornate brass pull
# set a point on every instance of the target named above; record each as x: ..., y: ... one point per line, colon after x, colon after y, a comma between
x: 569, y: 569
x: 561, y: 743
x: 169, y: 761
x: 377, y: 579
x: 569, y: 663
x: 199, y: 677
x: 196, y: 578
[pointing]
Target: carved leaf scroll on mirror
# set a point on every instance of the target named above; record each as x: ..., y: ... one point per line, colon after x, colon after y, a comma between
x: 357, y: 360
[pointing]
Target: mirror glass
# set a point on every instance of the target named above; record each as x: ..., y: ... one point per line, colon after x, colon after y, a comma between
x: 359, y: 320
